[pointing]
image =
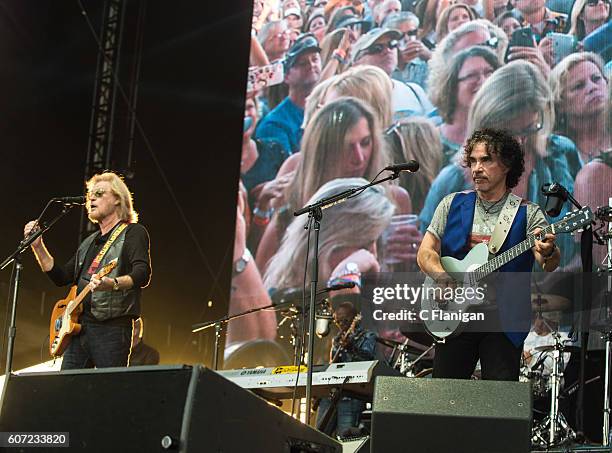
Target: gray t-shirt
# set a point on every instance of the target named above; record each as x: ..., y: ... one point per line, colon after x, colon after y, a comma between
x: 485, y: 218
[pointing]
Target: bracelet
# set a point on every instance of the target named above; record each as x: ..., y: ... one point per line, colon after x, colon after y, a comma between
x: 261, y: 221
x: 263, y: 214
x: 348, y: 278
x: 339, y: 55
x: 115, y: 284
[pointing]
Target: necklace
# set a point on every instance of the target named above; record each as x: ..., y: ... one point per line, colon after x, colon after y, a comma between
x: 488, y: 210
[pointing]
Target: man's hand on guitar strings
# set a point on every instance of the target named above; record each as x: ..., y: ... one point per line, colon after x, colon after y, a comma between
x: 103, y: 284
x: 545, y: 247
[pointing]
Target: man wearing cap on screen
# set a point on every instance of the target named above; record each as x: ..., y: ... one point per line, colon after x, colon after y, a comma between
x: 302, y: 72
x: 378, y: 48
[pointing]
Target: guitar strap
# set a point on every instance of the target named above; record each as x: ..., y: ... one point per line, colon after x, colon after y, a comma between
x: 98, y: 259
x: 504, y: 222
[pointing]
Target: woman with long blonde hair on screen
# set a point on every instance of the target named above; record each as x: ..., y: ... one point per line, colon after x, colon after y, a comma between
x: 343, y: 139
x: 582, y: 103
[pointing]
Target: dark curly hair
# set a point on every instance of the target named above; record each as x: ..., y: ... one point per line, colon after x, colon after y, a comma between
x: 502, y: 144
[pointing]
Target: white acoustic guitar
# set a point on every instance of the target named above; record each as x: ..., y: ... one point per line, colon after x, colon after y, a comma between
x: 444, y: 316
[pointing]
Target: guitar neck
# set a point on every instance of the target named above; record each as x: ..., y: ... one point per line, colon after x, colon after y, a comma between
x: 78, y: 299
x: 504, y: 258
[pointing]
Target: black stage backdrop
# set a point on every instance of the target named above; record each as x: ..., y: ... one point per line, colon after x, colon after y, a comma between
x: 191, y: 100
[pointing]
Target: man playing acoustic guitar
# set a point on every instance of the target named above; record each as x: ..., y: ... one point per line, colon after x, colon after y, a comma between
x: 109, y: 309
x: 496, y: 162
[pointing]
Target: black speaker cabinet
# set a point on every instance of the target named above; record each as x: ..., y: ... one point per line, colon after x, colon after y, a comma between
x: 192, y: 409
x: 450, y: 415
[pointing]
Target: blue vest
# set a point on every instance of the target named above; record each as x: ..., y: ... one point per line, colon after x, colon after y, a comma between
x: 513, y: 294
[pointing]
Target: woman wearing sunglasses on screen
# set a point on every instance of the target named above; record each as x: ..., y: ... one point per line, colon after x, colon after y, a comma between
x: 587, y: 16
x: 452, y: 88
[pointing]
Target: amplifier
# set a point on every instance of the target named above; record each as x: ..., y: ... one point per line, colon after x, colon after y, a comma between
x: 451, y: 415
x: 154, y: 409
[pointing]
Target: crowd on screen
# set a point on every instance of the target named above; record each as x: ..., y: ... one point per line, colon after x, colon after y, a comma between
x: 366, y: 84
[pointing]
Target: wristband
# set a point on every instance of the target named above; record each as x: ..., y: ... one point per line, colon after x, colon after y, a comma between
x: 260, y: 221
x: 339, y: 55
x: 349, y: 278
x: 258, y: 213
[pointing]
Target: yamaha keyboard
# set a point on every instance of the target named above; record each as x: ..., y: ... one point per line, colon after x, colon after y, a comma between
x: 278, y: 382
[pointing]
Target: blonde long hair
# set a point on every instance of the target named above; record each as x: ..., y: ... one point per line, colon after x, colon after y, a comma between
x: 356, y: 223
x: 370, y: 84
x: 418, y: 139
x: 558, y: 82
x: 126, y: 210
x: 576, y: 23
x: 322, y: 144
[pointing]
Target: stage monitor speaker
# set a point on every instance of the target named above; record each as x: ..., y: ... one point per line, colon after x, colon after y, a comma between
x: 450, y: 415
x: 189, y: 409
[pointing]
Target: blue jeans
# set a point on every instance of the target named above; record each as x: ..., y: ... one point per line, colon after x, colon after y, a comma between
x: 98, y: 346
x: 347, y: 416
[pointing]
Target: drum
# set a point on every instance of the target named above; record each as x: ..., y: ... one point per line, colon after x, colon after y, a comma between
x: 540, y: 382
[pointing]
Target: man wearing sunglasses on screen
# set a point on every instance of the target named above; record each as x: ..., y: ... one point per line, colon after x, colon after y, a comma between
x: 302, y: 65
x: 379, y: 47
x: 413, y: 54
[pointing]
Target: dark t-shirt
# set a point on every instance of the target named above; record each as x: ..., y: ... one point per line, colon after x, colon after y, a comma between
x: 134, y: 261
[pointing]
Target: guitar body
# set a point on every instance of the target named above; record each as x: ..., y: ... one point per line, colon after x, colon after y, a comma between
x: 439, y: 320
x: 64, y: 323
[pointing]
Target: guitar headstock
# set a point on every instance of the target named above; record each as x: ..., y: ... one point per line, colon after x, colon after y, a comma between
x: 574, y: 220
x: 107, y: 268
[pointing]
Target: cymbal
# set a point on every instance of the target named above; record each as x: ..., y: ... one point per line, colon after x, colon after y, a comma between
x: 547, y: 348
x: 409, y: 347
x: 549, y: 302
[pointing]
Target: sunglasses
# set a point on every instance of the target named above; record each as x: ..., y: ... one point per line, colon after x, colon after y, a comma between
x: 96, y: 193
x: 596, y: 2
x: 379, y: 48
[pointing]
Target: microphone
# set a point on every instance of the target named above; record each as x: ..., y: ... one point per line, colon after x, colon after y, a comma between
x: 322, y: 320
x: 337, y: 287
x: 70, y: 200
x: 410, y: 166
x: 556, y: 195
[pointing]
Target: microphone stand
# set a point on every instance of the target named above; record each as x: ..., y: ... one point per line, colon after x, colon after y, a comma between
x: 586, y: 255
x: 218, y: 323
x: 15, y: 258
x: 315, y: 215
